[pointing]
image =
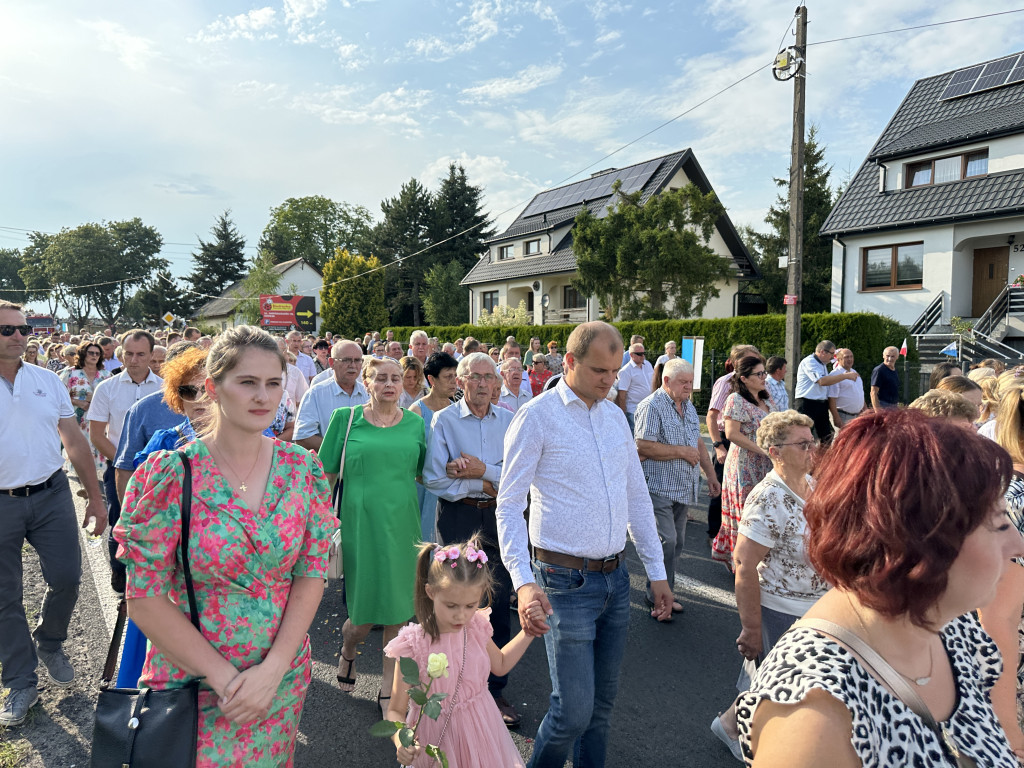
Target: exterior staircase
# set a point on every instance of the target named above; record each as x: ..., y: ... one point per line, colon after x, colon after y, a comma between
x: 986, y: 340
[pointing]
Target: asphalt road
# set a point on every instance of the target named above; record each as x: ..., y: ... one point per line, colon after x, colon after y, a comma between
x: 675, y: 677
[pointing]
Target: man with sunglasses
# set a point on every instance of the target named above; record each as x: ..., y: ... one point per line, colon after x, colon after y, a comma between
x: 110, y: 403
x: 635, y: 380
x: 143, y: 420
x: 36, y: 506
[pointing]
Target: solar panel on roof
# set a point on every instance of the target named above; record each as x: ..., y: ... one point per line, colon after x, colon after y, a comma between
x: 633, y: 178
x: 1018, y: 73
x: 995, y: 74
x: 961, y: 82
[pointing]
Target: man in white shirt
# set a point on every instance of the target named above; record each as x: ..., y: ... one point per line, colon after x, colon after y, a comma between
x: 573, y: 453
x: 303, y: 361
x: 636, y: 338
x: 457, y: 354
x: 36, y: 506
x: 845, y: 397
x: 635, y: 382
x: 512, y: 393
x: 110, y: 362
x: 294, y: 381
x: 811, y: 389
x: 670, y: 354
x: 418, y: 344
x: 110, y: 403
x: 344, y: 389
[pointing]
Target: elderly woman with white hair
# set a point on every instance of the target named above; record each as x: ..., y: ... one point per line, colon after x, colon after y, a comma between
x: 775, y: 582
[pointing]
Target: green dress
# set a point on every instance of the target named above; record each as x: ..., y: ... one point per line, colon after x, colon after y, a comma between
x: 380, y: 517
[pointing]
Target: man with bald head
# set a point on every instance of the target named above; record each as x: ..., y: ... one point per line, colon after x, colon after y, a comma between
x: 885, y: 382
x: 393, y: 350
x: 342, y: 390
x: 575, y: 452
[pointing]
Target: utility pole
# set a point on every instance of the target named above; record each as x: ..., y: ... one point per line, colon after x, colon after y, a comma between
x: 795, y: 259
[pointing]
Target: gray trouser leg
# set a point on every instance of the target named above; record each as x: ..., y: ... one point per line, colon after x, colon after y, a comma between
x: 670, y: 518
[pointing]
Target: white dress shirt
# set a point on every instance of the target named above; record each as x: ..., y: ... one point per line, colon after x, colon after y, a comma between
x: 322, y: 399
x: 29, y: 443
x: 306, y: 365
x: 849, y: 395
x: 322, y: 376
x: 114, y: 396
x: 582, y: 471
x: 295, y: 383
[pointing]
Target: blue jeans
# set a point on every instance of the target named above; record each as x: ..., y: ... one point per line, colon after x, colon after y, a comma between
x: 584, y: 648
x: 109, y: 488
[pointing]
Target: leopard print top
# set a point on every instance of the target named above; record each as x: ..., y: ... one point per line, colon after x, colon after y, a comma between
x: 886, y: 732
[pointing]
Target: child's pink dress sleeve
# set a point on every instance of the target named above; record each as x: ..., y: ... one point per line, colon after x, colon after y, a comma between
x: 480, y: 627
x: 411, y: 643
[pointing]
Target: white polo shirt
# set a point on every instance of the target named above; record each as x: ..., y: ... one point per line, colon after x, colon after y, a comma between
x: 320, y: 402
x: 849, y: 395
x: 29, y: 443
x: 114, y: 396
x: 635, y: 380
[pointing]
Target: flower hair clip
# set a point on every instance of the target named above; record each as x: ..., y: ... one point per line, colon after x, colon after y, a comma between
x: 475, y: 556
x: 451, y: 553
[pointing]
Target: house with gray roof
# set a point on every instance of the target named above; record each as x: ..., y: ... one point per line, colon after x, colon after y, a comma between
x: 932, y: 225
x: 533, y: 260
x: 297, y: 277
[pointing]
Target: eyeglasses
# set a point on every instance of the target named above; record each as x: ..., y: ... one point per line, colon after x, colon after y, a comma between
x: 349, y: 360
x: 637, y: 354
x: 96, y: 352
x: 478, y: 377
x: 760, y: 374
x: 803, y: 445
x: 189, y: 392
x: 8, y: 330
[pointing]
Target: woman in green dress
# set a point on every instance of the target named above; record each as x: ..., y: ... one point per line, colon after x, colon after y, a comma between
x: 380, y: 517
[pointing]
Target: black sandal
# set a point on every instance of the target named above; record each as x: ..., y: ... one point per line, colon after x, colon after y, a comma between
x: 380, y: 699
x: 348, y: 678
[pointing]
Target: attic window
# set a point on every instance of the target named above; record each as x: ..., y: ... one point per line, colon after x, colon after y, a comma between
x: 943, y: 169
x: 531, y: 247
x: 506, y: 252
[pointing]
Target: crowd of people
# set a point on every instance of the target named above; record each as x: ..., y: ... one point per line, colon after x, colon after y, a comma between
x: 864, y: 533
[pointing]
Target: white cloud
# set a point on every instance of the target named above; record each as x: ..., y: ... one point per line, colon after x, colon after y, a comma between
x: 134, y: 51
x: 524, y: 81
x: 300, y: 10
x: 506, y: 191
x: 257, y: 24
x: 340, y: 105
x: 602, y: 9
x: 608, y: 37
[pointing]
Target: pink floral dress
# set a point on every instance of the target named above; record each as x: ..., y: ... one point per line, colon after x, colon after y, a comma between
x: 477, y: 737
x: 243, y: 564
x: 80, y: 388
x: 743, y: 470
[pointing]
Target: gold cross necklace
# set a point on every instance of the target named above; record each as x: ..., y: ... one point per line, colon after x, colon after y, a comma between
x: 242, y: 486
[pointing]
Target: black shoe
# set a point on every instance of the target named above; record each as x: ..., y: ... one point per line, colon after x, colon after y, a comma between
x: 508, y: 712
x: 118, y: 582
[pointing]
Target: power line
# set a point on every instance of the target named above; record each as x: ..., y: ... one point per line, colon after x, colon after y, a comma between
x: 918, y: 26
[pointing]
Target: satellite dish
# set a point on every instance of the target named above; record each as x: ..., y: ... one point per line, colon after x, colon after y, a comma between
x: 545, y: 300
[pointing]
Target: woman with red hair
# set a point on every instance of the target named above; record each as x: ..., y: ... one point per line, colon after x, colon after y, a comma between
x: 909, y: 525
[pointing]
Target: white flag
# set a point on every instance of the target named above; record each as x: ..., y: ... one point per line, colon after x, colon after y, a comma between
x: 949, y: 349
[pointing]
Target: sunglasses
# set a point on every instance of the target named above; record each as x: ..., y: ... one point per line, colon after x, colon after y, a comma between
x: 8, y: 330
x: 189, y: 392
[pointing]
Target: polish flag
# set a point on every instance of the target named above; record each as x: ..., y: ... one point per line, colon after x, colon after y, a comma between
x: 903, y: 349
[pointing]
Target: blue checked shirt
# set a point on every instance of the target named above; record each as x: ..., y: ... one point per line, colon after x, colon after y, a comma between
x: 777, y: 389
x: 658, y: 421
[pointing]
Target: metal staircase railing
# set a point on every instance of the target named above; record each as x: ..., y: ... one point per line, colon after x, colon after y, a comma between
x: 986, y: 345
x: 995, y: 314
x: 929, y: 317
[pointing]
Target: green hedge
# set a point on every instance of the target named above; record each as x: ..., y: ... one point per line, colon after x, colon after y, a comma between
x: 865, y: 333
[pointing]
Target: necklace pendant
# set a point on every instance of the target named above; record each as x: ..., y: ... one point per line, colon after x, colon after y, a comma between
x: 922, y: 680
x: 243, y: 489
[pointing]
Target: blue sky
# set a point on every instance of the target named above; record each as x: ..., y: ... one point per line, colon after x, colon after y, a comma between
x: 176, y: 111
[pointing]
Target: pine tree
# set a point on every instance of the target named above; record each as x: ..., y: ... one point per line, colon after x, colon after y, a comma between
x: 405, y: 231
x: 458, y: 214
x: 152, y: 301
x: 220, y: 262
x: 349, y: 307
x: 771, y: 246
x: 445, y: 301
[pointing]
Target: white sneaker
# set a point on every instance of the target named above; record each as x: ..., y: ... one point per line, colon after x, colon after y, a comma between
x: 733, y: 744
x: 16, y: 706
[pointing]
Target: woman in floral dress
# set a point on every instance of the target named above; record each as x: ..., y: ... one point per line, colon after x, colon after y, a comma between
x: 81, y: 380
x: 746, y: 463
x: 261, y: 527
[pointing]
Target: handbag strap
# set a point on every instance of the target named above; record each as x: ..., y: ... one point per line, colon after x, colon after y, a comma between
x: 458, y: 683
x: 344, y: 445
x: 109, y: 666
x: 893, y: 680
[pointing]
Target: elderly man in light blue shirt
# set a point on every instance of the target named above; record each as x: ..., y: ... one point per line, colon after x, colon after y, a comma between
x: 512, y: 392
x: 463, y: 468
x: 342, y: 390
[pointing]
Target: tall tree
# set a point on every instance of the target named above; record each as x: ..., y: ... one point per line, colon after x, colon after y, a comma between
x: 445, y: 301
x: 313, y: 227
x: 262, y: 279
x: 460, y: 228
x: 771, y: 246
x: 220, y: 262
x: 12, y: 286
x: 159, y: 296
x: 352, y: 299
x: 33, y: 272
x: 640, y: 259
x: 400, y: 240
x: 99, y: 266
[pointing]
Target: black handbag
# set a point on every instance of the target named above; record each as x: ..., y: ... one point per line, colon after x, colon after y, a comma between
x: 148, y: 728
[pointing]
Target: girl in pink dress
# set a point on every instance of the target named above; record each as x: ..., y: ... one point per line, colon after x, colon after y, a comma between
x: 451, y: 582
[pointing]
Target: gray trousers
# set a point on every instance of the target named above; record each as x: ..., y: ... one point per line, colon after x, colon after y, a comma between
x: 670, y: 517
x: 46, y: 520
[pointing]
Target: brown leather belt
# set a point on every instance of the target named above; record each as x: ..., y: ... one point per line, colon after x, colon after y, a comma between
x: 604, y: 565
x: 478, y: 503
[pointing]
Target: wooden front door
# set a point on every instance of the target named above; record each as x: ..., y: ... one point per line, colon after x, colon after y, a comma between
x: 991, y: 274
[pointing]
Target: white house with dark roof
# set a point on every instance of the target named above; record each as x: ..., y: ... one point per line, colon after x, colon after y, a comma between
x: 297, y: 277
x: 932, y: 225
x: 533, y: 260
